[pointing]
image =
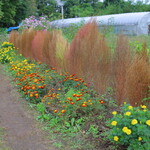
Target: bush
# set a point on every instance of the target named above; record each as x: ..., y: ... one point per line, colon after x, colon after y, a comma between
x: 130, y: 128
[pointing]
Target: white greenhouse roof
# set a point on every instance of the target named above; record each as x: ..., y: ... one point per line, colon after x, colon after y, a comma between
x: 114, y: 19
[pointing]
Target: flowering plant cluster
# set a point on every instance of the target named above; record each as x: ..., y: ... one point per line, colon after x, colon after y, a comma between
x: 69, y: 98
x: 130, y: 127
x: 32, y: 22
x: 6, y: 52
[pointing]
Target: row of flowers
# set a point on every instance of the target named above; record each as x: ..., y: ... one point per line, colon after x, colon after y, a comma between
x: 67, y: 96
x: 61, y: 93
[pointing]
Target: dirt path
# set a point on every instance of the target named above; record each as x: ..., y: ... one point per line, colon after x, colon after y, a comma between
x: 22, y: 133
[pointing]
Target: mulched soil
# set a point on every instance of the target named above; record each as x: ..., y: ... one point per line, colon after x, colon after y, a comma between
x: 22, y: 131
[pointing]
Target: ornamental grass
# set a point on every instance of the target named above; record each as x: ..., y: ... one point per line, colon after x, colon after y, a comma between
x: 89, y: 57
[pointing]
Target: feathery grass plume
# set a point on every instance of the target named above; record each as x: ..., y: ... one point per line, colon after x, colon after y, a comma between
x: 50, y: 46
x: 89, y: 56
x: 49, y: 49
x: 121, y: 62
x: 52, y: 49
x: 61, y: 48
x: 138, y: 78
x: 13, y: 36
x: 30, y: 36
x: 45, y: 51
x: 37, y: 45
x: 23, y: 42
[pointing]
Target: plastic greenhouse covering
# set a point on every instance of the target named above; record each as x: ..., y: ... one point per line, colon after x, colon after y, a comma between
x: 126, y: 23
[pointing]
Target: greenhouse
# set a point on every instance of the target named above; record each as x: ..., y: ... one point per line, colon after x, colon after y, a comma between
x: 126, y: 23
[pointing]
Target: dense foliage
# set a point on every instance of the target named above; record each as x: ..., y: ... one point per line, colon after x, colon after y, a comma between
x: 13, y: 12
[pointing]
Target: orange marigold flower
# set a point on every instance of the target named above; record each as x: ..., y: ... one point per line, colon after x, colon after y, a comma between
x: 33, y: 88
x: 74, y: 95
x: 84, y: 105
x: 76, y: 79
x: 63, y: 111
x: 72, y: 103
x: 55, y: 111
x: 31, y: 95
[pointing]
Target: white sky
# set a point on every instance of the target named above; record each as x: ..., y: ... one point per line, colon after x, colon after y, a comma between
x: 144, y: 1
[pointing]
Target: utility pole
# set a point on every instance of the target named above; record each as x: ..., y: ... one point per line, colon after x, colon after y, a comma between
x: 62, y: 11
x: 61, y: 4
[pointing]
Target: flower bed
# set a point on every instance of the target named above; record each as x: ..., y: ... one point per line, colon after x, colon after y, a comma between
x: 73, y: 109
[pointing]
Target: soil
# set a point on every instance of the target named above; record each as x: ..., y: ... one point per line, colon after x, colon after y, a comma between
x: 22, y: 131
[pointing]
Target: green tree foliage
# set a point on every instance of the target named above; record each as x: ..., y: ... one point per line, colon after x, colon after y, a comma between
x: 9, y: 11
x: 109, y: 2
x: 48, y: 8
x: 1, y: 13
x: 12, y: 12
x: 79, y: 8
x: 31, y: 6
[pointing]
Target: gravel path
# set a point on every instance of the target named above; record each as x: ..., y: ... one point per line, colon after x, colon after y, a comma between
x: 22, y: 132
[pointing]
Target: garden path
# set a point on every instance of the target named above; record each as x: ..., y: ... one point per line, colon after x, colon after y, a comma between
x: 22, y: 131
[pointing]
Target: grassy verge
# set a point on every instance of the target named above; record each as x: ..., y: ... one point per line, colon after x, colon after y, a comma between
x: 3, y: 35
x: 2, y: 141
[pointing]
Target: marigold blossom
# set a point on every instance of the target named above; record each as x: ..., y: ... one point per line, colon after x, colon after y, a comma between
x: 114, y: 112
x: 143, y: 106
x: 148, y: 122
x: 134, y: 121
x: 130, y: 107
x: 114, y: 123
x: 116, y: 138
x: 126, y: 130
x: 139, y: 139
x: 128, y: 113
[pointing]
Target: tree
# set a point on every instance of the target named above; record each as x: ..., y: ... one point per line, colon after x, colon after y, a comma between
x: 110, y: 2
x: 47, y: 7
x: 79, y: 8
x: 21, y: 11
x: 31, y: 8
x: 1, y: 13
x: 9, y: 11
x: 12, y: 12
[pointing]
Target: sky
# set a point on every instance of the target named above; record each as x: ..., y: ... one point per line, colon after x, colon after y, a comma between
x: 144, y: 1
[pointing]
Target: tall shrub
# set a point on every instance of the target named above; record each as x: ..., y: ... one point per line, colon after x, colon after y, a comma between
x: 121, y: 62
x: 89, y: 56
x: 138, y: 78
x: 49, y: 48
x: 13, y: 36
x: 37, y: 45
x: 61, y: 48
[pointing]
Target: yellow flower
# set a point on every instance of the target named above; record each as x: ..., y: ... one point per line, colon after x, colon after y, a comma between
x: 148, y: 122
x: 114, y: 112
x: 116, y: 138
x: 114, y: 123
x: 139, y: 139
x: 128, y: 113
x: 134, y: 121
x: 130, y: 107
x: 126, y: 130
x: 143, y: 106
